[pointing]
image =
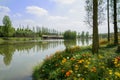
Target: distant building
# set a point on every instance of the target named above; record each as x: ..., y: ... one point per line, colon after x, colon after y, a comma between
x: 52, y: 37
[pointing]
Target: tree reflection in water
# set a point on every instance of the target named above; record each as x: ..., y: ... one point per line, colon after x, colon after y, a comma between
x: 7, y: 50
x: 69, y: 43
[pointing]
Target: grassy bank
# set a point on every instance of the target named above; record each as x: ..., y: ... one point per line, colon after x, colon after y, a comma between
x: 16, y: 39
x: 78, y: 63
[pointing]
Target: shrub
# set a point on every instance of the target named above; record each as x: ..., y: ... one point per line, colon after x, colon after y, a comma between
x: 103, y: 42
x: 70, y: 35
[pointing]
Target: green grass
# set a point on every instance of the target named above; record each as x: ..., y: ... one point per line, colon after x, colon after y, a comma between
x: 12, y: 40
x: 1, y: 40
x: 78, y: 63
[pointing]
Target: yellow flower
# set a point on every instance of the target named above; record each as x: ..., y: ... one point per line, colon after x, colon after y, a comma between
x: 70, y: 71
x: 115, y: 61
x: 117, y: 74
x: 100, y: 56
x: 86, y: 66
x: 89, y: 58
x: 82, y: 79
x: 106, y: 79
x: 76, y: 67
x: 103, y: 67
x: 80, y: 61
x: 64, y: 60
x: 110, y: 72
x: 88, y: 62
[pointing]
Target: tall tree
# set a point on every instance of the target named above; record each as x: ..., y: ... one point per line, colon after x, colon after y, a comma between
x: 8, y: 30
x: 108, y: 21
x: 95, y: 45
x: 115, y: 23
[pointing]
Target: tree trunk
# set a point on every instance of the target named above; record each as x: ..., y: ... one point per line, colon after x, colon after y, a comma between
x: 95, y: 45
x: 115, y: 23
x: 108, y: 21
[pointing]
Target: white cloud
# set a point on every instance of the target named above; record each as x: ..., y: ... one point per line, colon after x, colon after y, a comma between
x: 72, y: 11
x: 35, y: 10
x: 57, y: 18
x: 64, y: 1
x: 4, y: 9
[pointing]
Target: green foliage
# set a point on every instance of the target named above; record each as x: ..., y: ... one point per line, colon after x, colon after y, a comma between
x: 24, y: 32
x: 7, y: 21
x: 70, y: 35
x: 1, y: 31
x: 7, y: 29
x: 47, y: 31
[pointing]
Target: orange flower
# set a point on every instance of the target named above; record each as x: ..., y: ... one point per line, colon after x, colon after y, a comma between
x: 117, y: 61
x: 118, y: 58
x: 72, y: 59
x: 93, y: 69
x: 82, y: 79
x: 68, y: 73
x: 80, y: 61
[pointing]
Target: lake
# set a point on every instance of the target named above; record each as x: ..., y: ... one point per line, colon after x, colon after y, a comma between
x: 18, y: 60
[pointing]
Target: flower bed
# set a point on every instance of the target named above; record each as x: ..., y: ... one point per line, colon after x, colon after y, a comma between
x: 80, y: 64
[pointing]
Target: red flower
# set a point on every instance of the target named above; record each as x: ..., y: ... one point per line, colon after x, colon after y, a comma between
x: 68, y: 73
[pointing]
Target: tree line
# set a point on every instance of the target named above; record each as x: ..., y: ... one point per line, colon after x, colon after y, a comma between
x: 7, y: 30
x: 83, y: 35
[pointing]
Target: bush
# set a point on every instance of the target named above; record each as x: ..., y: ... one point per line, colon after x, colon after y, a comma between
x: 103, y: 42
x: 70, y: 35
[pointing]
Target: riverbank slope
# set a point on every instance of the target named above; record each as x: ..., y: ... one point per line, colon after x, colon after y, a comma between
x: 78, y: 63
x: 11, y: 40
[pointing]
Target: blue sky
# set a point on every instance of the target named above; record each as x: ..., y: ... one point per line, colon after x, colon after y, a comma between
x: 20, y: 5
x: 58, y: 14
